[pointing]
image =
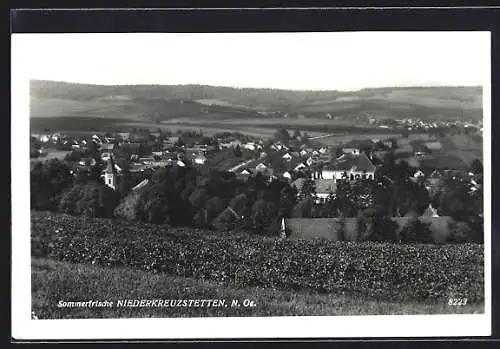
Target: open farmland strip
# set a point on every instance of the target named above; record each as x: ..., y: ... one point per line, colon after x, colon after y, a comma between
x: 390, y: 271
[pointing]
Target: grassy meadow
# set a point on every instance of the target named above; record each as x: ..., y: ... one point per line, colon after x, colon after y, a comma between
x: 54, y: 281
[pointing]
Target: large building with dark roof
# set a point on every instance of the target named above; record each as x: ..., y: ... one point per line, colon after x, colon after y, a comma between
x: 351, y: 167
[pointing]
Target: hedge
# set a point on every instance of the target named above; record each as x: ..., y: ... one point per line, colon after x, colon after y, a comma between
x: 380, y: 270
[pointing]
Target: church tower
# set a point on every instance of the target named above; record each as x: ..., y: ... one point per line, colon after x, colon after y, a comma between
x: 110, y: 174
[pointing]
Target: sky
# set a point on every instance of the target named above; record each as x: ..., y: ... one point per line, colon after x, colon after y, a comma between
x: 296, y: 61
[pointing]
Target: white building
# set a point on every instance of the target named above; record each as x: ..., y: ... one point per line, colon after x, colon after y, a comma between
x: 110, y: 174
x: 351, y: 167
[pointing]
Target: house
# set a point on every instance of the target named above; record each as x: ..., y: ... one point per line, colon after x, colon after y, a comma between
x: 288, y: 175
x: 246, y: 172
x: 418, y: 174
x: 303, y: 152
x: 135, y: 167
x: 300, y: 166
x: 276, y: 146
x: 309, y: 161
x: 200, y: 159
x: 350, y: 166
x: 261, y: 166
x: 323, y: 150
x: 231, y: 144
x: 105, y: 156
x: 350, y: 150
x: 96, y: 139
x: 250, y: 146
x: 180, y: 163
x: 430, y: 212
x: 56, y: 136
x: 287, y: 156
x: 142, y: 184
x: 107, y: 147
x: 226, y: 219
x: 266, y: 171
x: 88, y: 161
x: 41, y: 137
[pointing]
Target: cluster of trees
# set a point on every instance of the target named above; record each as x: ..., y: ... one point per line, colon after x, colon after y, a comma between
x: 180, y: 196
x: 219, y: 200
x: 56, y: 187
x: 284, y: 136
x: 174, y: 195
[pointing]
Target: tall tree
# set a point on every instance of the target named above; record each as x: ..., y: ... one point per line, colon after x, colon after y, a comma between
x: 263, y: 213
x: 282, y: 135
x: 237, y: 151
x: 308, y: 188
x: 48, y: 181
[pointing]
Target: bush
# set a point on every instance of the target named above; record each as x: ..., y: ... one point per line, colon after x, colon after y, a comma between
x: 341, y: 230
x: 416, y: 232
x: 393, y: 272
x: 384, y: 229
x: 34, y: 154
x: 459, y: 232
x: 471, y: 230
x: 363, y: 228
x: 128, y: 207
x: 92, y: 200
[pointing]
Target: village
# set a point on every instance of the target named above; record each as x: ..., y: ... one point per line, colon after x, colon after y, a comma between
x: 311, y: 168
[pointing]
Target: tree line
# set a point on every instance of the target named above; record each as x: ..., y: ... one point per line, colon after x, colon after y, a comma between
x: 183, y: 196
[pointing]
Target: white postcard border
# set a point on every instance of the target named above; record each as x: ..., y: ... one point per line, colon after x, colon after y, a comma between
x: 24, y: 328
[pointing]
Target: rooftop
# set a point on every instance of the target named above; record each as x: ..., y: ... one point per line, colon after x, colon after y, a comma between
x: 352, y: 162
x: 107, y: 146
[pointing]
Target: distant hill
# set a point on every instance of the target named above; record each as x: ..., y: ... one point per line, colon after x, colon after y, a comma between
x: 167, y: 102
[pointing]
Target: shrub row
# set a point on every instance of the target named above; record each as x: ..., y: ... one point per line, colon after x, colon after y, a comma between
x: 390, y: 271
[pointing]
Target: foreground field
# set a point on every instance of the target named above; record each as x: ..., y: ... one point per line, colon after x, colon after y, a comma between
x: 385, y: 271
x: 58, y: 281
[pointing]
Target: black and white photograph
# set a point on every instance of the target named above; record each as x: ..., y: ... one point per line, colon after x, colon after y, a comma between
x: 334, y: 179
